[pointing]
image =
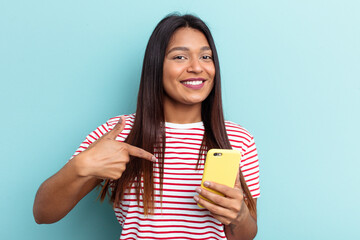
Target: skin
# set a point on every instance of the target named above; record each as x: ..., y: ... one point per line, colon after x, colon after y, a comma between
x: 188, y: 55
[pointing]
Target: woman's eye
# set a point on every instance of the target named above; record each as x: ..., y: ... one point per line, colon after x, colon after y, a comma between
x: 207, y: 57
x: 179, y: 57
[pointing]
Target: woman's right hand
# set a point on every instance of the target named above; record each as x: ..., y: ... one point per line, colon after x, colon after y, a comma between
x: 106, y: 158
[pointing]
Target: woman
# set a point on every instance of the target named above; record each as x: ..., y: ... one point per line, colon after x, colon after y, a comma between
x: 152, y: 161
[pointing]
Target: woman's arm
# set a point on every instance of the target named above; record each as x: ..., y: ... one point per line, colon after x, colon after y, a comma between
x: 243, y: 228
x: 106, y: 158
x: 61, y: 192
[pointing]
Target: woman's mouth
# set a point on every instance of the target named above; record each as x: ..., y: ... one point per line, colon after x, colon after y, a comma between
x: 193, y: 83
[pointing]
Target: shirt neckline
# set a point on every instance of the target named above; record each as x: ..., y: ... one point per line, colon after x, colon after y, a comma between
x: 184, y: 125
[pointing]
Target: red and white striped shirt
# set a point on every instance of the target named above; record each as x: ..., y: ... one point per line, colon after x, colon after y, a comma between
x: 179, y: 217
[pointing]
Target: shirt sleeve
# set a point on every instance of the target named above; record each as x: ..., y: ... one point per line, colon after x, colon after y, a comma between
x: 250, y: 168
x: 92, y: 137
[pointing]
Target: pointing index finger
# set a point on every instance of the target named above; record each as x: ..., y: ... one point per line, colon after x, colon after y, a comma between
x: 141, y: 153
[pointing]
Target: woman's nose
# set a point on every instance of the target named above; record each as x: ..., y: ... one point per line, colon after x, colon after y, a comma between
x: 195, y: 66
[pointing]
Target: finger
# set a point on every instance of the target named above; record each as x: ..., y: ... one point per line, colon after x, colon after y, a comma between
x: 237, y: 181
x: 226, y: 190
x: 223, y: 220
x: 119, y: 127
x: 214, y: 197
x: 213, y: 208
x: 141, y: 153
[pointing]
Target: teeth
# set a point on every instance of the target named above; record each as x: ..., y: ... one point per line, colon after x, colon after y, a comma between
x: 193, y: 82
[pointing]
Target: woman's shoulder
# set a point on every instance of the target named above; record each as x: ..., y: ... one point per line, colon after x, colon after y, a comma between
x: 238, y: 134
x: 237, y: 129
x: 129, y: 120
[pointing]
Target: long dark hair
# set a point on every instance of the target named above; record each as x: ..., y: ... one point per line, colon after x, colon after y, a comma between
x: 148, y: 131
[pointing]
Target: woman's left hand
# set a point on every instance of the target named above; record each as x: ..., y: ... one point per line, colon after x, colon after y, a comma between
x: 228, y: 209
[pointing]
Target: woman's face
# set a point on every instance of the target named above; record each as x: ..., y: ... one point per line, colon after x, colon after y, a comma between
x: 188, y: 74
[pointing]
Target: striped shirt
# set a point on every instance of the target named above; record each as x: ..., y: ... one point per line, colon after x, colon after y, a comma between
x: 179, y: 217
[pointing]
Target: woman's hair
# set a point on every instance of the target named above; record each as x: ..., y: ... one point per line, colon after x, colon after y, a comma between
x: 148, y: 131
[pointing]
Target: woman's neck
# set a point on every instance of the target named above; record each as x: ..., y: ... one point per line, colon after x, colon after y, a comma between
x: 181, y: 113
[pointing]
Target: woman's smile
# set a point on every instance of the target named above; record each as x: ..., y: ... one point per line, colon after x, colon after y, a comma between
x: 194, y: 83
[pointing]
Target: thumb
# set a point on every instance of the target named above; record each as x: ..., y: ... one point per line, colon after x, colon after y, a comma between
x: 237, y: 181
x: 119, y: 127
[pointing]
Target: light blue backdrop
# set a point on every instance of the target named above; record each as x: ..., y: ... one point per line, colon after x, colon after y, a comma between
x: 290, y: 76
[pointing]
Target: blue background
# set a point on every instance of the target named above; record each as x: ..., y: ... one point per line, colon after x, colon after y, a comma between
x: 290, y: 73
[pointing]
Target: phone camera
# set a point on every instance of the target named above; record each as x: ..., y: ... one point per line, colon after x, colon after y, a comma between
x: 217, y: 154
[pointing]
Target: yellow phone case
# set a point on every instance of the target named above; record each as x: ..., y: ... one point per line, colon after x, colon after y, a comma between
x: 221, y: 166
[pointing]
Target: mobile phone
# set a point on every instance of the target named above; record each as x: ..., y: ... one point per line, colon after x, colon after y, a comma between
x: 221, y: 166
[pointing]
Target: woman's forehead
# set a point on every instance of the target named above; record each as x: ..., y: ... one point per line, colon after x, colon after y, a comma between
x: 188, y: 38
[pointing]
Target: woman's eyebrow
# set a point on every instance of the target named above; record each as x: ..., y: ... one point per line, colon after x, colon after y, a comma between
x: 178, y: 49
x: 204, y: 48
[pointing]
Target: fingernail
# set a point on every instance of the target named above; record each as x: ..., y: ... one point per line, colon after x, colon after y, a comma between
x: 196, y: 198
x: 206, y: 184
x: 198, y: 189
x: 153, y: 158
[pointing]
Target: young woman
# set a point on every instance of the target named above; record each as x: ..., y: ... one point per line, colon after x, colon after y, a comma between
x: 152, y: 162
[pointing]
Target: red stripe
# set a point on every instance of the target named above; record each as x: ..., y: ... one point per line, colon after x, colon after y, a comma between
x: 182, y: 163
x: 158, y: 195
x: 165, y: 238
x: 168, y: 202
x: 251, y: 174
x: 194, y: 140
x: 178, y: 184
x: 180, y: 158
x: 238, y: 136
x: 173, y: 220
x: 179, y: 168
x: 242, y: 142
x: 157, y: 238
x: 167, y: 226
x: 236, y: 146
x: 182, y: 153
x: 251, y: 145
x: 240, y: 132
x: 92, y: 138
x: 102, y: 133
x: 192, y: 179
x: 166, y: 232
x: 96, y: 133
x: 175, y: 190
x: 122, y: 216
x: 246, y: 164
x: 254, y: 184
x: 251, y: 179
x: 197, y: 174
x: 255, y: 189
x: 182, y: 148
x: 182, y: 142
x: 246, y: 153
x: 256, y: 195
x: 257, y: 166
x: 170, y: 208
x: 170, y: 214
